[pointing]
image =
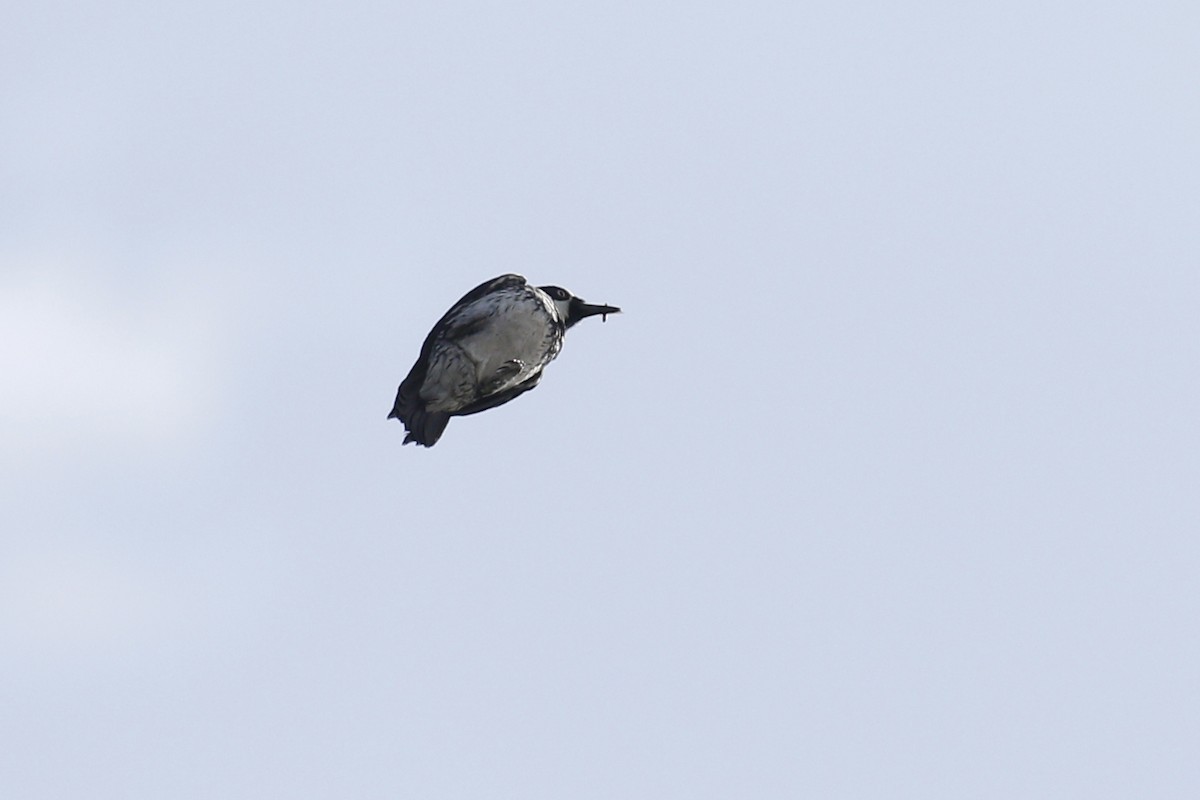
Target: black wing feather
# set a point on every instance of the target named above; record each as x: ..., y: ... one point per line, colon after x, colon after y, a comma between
x: 500, y: 398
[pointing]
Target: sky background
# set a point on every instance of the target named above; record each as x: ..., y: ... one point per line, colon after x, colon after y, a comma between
x: 886, y: 483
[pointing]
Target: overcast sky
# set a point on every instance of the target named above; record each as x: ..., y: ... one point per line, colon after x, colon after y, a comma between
x: 886, y: 483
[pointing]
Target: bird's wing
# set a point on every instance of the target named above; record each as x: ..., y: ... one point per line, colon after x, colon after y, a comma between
x: 468, y: 315
x: 487, y: 287
x: 500, y: 398
x: 459, y: 324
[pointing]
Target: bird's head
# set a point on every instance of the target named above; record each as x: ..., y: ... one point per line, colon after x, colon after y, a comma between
x: 571, y: 309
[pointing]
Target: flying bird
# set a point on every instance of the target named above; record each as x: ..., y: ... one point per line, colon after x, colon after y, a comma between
x: 490, y: 347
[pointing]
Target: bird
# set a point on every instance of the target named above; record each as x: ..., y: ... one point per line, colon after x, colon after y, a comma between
x: 489, y: 348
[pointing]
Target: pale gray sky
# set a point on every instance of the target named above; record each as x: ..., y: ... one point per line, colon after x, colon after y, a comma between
x: 885, y: 485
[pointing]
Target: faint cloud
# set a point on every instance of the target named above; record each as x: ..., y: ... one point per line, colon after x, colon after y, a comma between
x: 83, y: 367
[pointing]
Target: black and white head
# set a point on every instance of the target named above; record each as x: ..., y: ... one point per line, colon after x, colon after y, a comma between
x: 571, y: 309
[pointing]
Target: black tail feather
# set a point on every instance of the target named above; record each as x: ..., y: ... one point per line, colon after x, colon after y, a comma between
x: 423, y: 427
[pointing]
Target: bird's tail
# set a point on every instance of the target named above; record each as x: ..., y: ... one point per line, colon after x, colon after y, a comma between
x: 423, y: 426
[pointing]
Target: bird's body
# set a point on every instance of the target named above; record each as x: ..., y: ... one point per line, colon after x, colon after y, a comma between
x: 490, y: 347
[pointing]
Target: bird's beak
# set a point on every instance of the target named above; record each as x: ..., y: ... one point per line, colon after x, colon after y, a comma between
x: 583, y: 310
